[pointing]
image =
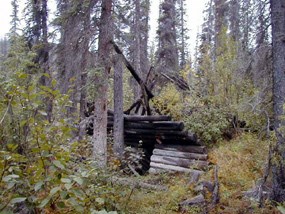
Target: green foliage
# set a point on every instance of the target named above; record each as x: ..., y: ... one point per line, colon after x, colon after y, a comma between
x: 40, y: 170
x: 222, y: 87
x: 169, y: 102
x: 209, y: 123
x: 241, y: 165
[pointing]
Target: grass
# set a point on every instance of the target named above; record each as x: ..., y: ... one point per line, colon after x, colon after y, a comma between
x: 241, y: 163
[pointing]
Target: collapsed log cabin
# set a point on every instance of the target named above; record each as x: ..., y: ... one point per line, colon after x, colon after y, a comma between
x: 164, y: 143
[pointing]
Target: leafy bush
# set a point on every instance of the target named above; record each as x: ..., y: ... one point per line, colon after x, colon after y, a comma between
x: 169, y: 102
x: 40, y: 170
x: 208, y: 122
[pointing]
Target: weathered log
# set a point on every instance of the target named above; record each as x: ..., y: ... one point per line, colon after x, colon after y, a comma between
x: 178, y: 81
x: 157, y: 132
x: 158, y: 171
x: 164, y: 125
x: 161, y: 138
x: 186, y: 155
x: 183, y: 162
x: 179, y: 148
x: 168, y: 123
x: 133, y: 71
x: 135, y: 118
x: 173, y: 168
x: 143, y: 144
x: 165, y: 140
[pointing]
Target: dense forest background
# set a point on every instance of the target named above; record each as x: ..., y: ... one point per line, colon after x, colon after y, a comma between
x: 60, y: 78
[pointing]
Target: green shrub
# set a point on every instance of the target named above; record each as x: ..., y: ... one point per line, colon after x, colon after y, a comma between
x: 40, y: 170
x: 169, y: 102
x: 208, y: 122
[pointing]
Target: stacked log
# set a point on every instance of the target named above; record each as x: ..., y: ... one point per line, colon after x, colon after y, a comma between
x: 154, y: 129
x: 162, y: 144
x: 181, y: 158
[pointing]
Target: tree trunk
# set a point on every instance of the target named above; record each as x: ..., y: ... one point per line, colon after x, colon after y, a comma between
x: 118, y: 108
x: 278, y: 51
x: 136, y: 48
x: 99, y: 139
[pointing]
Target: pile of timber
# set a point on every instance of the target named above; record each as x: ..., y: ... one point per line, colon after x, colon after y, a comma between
x: 148, y: 130
x: 181, y: 158
x: 162, y: 144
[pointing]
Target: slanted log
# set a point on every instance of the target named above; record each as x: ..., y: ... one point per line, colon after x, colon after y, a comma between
x: 186, y: 155
x: 179, y: 148
x: 133, y: 71
x: 134, y: 105
x: 173, y: 168
x: 183, y: 162
x: 135, y: 118
x: 177, y: 81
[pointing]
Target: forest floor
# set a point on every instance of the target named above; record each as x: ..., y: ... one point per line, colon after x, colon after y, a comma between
x: 241, y: 163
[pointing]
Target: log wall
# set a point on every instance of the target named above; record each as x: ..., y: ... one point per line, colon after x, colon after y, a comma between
x: 165, y: 144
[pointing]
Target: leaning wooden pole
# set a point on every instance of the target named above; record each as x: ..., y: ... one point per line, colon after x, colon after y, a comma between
x: 146, y: 93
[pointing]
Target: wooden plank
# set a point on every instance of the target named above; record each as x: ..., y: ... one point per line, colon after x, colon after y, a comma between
x: 174, y: 168
x: 183, y: 162
x: 186, y: 155
x: 184, y: 148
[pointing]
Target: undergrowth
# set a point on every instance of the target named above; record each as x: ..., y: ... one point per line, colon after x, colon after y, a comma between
x: 240, y: 161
